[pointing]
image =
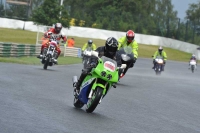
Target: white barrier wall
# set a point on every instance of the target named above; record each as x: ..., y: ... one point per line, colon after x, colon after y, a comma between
x: 104, y: 34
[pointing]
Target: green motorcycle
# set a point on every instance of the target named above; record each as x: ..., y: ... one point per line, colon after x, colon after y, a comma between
x: 97, y: 83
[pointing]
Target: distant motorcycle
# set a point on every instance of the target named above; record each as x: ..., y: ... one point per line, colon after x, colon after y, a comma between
x: 159, y: 65
x: 127, y: 57
x: 50, y: 53
x: 192, y: 65
x: 86, y: 57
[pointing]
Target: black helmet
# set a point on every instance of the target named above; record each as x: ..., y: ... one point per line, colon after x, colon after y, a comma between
x: 90, y: 42
x: 111, y: 45
x: 160, y: 49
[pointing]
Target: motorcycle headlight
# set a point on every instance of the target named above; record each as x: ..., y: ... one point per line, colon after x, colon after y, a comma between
x: 125, y: 57
x: 109, y: 77
x: 103, y: 73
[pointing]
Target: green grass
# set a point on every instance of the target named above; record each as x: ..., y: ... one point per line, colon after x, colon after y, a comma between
x: 147, y: 51
x: 28, y: 37
x: 17, y: 36
x: 35, y: 61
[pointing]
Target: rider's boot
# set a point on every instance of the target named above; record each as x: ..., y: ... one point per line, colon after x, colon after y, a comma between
x: 80, y: 80
x: 153, y: 66
x: 122, y: 75
x: 40, y: 55
x: 189, y: 66
x: 162, y: 68
x: 55, y: 61
x: 77, y: 86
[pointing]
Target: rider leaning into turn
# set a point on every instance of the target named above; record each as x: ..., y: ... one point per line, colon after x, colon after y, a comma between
x: 109, y: 50
x: 56, y: 32
x: 89, y: 44
x: 128, y: 40
x: 193, y: 58
x: 162, y: 53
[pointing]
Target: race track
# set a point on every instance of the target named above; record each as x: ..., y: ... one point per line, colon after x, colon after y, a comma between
x: 33, y: 100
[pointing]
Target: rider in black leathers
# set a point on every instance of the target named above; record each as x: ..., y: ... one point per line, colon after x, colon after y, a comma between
x: 109, y: 50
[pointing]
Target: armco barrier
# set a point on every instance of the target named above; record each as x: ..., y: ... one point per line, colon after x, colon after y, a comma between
x: 72, y: 51
x: 18, y: 50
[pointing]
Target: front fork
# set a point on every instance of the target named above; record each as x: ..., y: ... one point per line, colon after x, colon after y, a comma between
x: 94, y: 87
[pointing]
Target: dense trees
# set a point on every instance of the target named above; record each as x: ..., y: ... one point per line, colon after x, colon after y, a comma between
x: 153, y: 17
x: 49, y: 13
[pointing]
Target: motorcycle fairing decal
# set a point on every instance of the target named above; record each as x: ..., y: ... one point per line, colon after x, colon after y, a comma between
x: 87, y: 83
x: 85, y: 88
x: 83, y: 96
x: 109, y: 66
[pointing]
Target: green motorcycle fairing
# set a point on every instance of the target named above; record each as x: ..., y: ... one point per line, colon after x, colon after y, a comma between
x: 103, y: 75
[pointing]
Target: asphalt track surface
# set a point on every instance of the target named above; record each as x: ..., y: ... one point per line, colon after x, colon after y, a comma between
x: 33, y: 100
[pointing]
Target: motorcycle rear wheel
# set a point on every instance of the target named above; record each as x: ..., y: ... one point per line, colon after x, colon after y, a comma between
x: 94, y: 101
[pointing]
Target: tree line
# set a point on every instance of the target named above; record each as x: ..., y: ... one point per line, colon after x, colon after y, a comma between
x: 151, y: 17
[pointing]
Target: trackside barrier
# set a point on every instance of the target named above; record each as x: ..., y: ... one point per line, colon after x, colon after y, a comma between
x: 72, y: 51
x: 17, y: 50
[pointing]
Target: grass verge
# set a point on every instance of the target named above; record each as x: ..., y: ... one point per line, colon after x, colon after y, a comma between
x: 28, y: 37
x: 35, y: 61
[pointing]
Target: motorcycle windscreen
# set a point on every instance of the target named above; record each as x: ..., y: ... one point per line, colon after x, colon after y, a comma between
x: 51, y: 49
x: 126, y: 53
x: 159, y: 59
x: 109, y: 64
x: 192, y: 62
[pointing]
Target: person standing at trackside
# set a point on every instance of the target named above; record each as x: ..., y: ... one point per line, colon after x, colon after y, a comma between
x: 129, y: 40
x: 70, y: 42
x: 162, y: 53
x: 193, y: 58
x: 89, y: 44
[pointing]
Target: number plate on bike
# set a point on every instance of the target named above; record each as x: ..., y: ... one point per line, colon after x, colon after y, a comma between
x: 109, y: 66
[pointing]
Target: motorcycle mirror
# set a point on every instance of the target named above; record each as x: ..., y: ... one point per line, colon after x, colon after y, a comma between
x: 94, y: 53
x: 123, y: 66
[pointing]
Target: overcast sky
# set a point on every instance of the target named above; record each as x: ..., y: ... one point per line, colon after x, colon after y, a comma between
x: 181, y: 6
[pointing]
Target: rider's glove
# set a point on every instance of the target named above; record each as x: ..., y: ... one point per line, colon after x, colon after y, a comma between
x: 131, y: 65
x: 92, y: 64
x: 49, y: 33
x: 164, y: 62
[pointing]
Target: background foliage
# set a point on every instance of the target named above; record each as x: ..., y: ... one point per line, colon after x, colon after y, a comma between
x: 152, y: 17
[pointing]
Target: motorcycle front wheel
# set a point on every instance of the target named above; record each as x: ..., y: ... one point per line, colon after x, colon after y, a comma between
x: 46, y: 62
x: 158, y: 69
x: 94, y: 101
x: 192, y: 68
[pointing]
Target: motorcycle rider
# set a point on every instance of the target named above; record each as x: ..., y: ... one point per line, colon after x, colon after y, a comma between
x: 161, y: 53
x: 128, y: 40
x: 109, y: 50
x: 193, y: 58
x: 89, y: 44
x: 56, y: 31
